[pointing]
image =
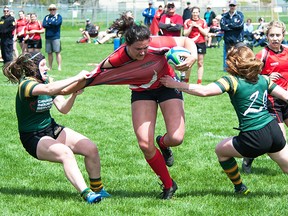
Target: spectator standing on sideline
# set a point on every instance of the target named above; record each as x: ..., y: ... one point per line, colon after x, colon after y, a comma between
x: 196, y: 29
x: 149, y: 14
x: 171, y: 23
x: 154, y: 28
x: 232, y: 24
x: 187, y: 12
x: 52, y: 24
x: 20, y: 31
x: 15, y: 50
x: 224, y: 10
x: 7, y: 27
x: 209, y: 15
x: 34, y: 29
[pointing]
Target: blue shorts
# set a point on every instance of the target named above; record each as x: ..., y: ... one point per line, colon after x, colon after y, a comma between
x: 158, y: 95
x: 53, y: 46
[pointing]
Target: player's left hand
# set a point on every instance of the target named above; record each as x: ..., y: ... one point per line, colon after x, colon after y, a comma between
x: 187, y: 64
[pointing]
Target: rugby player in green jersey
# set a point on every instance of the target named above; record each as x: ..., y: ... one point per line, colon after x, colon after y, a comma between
x: 248, y: 90
x: 40, y: 135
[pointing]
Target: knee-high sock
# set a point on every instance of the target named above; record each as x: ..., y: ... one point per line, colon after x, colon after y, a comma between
x: 157, y: 163
x: 230, y: 167
x: 96, y: 184
x: 161, y: 143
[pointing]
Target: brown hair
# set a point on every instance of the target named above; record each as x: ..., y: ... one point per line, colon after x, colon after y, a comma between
x: 21, y: 67
x: 241, y: 62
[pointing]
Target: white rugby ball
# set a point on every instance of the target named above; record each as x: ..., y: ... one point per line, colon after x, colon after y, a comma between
x: 175, y: 55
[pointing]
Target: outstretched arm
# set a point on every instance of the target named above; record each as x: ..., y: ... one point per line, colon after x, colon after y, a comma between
x: 54, y: 88
x: 280, y: 93
x: 193, y: 89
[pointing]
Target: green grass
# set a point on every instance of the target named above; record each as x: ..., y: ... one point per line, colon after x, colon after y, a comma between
x: 31, y: 187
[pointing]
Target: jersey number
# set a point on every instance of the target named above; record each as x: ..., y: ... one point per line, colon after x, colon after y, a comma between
x: 254, y: 97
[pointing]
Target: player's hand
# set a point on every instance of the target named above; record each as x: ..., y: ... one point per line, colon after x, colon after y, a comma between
x: 275, y: 76
x: 187, y: 64
x: 168, y: 81
x: 83, y: 75
x: 79, y: 92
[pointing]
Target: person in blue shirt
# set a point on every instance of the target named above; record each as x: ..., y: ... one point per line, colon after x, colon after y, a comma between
x: 209, y: 15
x: 52, y: 24
x: 232, y: 24
x: 149, y: 14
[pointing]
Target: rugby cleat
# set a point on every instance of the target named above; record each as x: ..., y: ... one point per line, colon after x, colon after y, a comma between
x: 247, y: 165
x: 92, y: 197
x: 243, y: 190
x: 166, y: 152
x: 168, y: 193
x: 103, y: 193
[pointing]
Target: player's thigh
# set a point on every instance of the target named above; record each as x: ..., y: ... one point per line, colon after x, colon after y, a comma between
x: 281, y: 158
x: 144, y: 113
x: 52, y: 150
x: 77, y: 142
x: 225, y: 149
x: 173, y: 114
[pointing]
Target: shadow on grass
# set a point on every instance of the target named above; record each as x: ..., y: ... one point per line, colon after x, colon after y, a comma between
x: 253, y: 194
x: 262, y: 171
x: 64, y: 195
x: 59, y: 194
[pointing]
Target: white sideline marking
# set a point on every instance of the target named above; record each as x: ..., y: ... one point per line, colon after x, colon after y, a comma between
x: 8, y: 84
x: 209, y: 134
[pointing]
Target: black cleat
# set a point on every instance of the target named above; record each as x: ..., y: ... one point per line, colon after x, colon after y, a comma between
x: 168, y: 193
x: 247, y: 165
x: 243, y: 190
x: 166, y: 152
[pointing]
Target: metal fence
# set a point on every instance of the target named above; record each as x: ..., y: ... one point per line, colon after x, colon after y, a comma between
x: 76, y: 15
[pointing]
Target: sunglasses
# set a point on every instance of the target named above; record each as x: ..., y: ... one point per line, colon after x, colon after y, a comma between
x: 169, y: 7
x: 53, y: 9
x: 232, y: 5
x: 5, y: 10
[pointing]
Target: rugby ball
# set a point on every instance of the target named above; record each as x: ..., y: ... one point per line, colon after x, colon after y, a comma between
x: 175, y: 55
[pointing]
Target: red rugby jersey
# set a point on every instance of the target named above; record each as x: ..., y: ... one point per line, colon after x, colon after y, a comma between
x: 195, y: 33
x: 140, y: 74
x: 275, y: 62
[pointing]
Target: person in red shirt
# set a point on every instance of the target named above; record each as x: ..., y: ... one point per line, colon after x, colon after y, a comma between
x: 20, y: 30
x: 171, y: 23
x: 197, y: 29
x: 154, y: 28
x: 141, y: 62
x: 33, y: 32
x: 275, y: 59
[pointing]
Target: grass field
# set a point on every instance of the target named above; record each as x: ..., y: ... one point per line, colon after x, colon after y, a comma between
x: 30, y: 187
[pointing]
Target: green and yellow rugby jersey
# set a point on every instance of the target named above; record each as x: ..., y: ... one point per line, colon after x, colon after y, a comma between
x: 249, y: 100
x: 33, y: 112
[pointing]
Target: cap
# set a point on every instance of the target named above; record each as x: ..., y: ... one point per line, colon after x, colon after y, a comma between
x: 208, y: 6
x: 150, y: 2
x: 188, y: 3
x: 232, y: 2
x: 87, y: 20
x: 52, y: 6
x: 171, y: 4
